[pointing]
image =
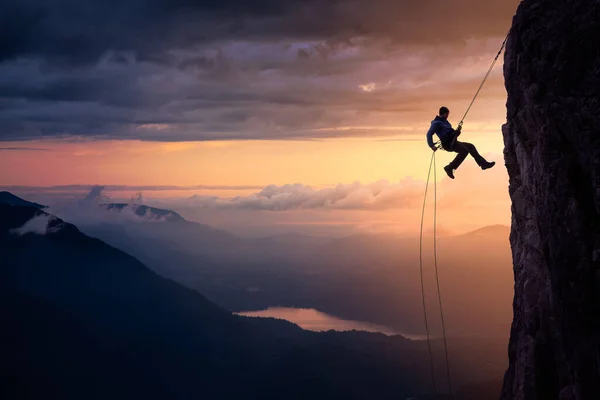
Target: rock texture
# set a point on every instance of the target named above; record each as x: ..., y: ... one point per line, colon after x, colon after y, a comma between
x: 552, y: 153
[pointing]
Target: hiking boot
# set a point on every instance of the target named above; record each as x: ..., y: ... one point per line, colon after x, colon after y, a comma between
x: 487, y: 165
x: 450, y: 171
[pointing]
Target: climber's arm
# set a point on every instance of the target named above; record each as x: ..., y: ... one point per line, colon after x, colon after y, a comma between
x: 430, y: 133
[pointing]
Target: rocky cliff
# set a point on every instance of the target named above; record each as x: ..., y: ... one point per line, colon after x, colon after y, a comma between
x: 552, y: 153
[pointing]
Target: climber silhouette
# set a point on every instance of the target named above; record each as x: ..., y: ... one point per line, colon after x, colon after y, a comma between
x: 441, y: 127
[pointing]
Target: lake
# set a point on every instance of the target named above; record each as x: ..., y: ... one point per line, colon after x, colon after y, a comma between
x: 313, y: 320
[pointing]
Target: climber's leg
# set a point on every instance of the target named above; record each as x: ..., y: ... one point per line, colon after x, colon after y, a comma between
x: 463, y: 152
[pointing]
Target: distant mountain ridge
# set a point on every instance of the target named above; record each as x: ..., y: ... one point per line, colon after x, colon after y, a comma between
x: 82, y: 319
x: 11, y: 199
x: 227, y: 269
x: 243, y: 274
x: 488, y: 231
x: 146, y: 212
x: 171, y: 340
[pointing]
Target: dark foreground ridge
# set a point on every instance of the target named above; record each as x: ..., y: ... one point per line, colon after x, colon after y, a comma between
x: 81, y: 319
x: 11, y: 199
x: 552, y: 152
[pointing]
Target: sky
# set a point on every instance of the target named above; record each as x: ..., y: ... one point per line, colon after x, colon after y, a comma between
x: 270, y: 108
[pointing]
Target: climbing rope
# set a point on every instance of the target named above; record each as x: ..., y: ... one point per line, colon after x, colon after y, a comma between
x: 422, y: 280
x: 484, y: 80
x: 437, y: 279
x: 432, y: 164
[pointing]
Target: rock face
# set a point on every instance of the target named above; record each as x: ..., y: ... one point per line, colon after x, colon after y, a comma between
x: 552, y: 153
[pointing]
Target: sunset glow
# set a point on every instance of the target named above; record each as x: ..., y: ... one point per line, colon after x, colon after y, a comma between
x: 237, y: 115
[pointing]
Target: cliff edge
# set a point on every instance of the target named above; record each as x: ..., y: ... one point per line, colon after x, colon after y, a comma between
x: 552, y: 153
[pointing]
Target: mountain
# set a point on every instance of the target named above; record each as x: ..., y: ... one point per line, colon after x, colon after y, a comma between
x: 187, y: 251
x: 552, y: 155
x: 359, y: 277
x: 11, y: 199
x: 81, y: 319
x: 145, y: 212
x: 121, y: 305
x: 493, y: 231
x: 139, y: 226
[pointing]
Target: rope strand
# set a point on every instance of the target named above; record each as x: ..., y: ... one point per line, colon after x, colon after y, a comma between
x: 422, y: 280
x: 484, y: 79
x: 437, y: 279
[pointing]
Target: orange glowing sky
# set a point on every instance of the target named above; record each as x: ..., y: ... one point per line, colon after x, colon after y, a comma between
x: 233, y: 163
x: 280, y: 105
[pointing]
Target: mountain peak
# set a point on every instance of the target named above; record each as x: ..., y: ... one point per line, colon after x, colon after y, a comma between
x: 21, y: 220
x: 487, y: 231
x: 146, y: 212
x: 12, y: 200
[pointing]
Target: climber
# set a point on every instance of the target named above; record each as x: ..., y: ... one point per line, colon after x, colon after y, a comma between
x: 448, y: 135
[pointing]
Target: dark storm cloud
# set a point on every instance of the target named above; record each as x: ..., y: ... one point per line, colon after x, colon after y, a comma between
x: 171, y: 70
x: 118, y: 188
x: 23, y: 149
x: 80, y: 32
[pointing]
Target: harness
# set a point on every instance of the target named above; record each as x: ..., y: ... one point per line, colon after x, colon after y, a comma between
x: 448, y: 147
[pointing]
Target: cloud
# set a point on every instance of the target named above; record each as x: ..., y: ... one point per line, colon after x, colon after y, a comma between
x: 41, y: 224
x: 94, y: 197
x: 473, y: 189
x: 22, y: 149
x: 176, y: 70
x: 368, y: 87
x: 77, y: 189
x: 290, y: 100
x: 97, y: 208
x: 475, y: 198
x: 357, y: 196
x: 77, y: 33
